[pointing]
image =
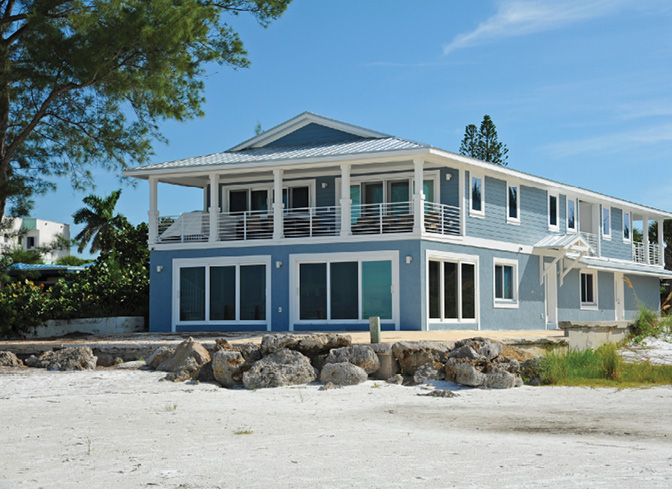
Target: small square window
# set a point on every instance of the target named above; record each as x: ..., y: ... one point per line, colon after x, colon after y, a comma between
x: 476, y: 196
x: 30, y: 242
x: 588, y: 290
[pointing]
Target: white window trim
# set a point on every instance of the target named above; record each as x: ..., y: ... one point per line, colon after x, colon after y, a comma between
x: 569, y: 199
x: 605, y: 236
x: 296, y: 260
x: 286, y: 184
x: 440, y: 256
x: 179, y: 263
x: 385, y: 178
x: 505, y: 303
x: 629, y: 238
x: 474, y: 213
x: 589, y: 306
x: 551, y: 227
x: 512, y: 220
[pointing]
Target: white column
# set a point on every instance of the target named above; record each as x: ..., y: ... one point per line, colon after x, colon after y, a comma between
x: 661, y: 243
x: 419, y: 197
x: 214, y: 207
x: 153, y: 212
x: 645, y: 238
x: 462, y: 201
x: 277, y: 205
x: 346, y: 201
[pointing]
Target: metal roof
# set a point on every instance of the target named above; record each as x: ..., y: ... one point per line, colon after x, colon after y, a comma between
x: 296, y: 152
x: 623, y: 266
x: 562, y: 241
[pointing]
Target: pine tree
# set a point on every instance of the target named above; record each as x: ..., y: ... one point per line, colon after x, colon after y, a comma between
x: 483, y: 144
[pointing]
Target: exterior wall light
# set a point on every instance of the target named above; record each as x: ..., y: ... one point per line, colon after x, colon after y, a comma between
x: 449, y: 176
x: 278, y: 264
x: 325, y: 184
x: 159, y: 268
x: 409, y: 259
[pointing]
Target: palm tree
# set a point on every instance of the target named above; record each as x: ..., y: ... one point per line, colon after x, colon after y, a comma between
x: 101, y: 222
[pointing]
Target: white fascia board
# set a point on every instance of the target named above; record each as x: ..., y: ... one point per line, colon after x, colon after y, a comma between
x: 504, y: 173
x: 300, y: 121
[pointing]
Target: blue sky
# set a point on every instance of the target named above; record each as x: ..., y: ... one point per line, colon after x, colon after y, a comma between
x: 580, y: 90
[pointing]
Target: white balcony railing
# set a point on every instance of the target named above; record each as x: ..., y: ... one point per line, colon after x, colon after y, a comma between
x: 245, y: 226
x: 594, y: 241
x: 190, y: 226
x: 393, y: 217
x: 639, y: 253
x: 308, y: 222
x: 442, y: 219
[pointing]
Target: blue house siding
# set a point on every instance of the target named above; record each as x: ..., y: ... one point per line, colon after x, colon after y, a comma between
x: 615, y: 247
x: 645, y: 292
x: 569, y: 299
x: 313, y: 133
x: 450, y: 189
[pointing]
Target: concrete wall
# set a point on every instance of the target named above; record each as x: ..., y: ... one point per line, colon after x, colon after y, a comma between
x: 97, y: 326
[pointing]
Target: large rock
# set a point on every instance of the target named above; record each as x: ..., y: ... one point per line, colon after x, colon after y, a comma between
x: 282, y: 368
x: 228, y: 367
x: 71, y: 358
x: 485, y: 348
x: 465, y: 351
x: 499, y: 380
x: 465, y: 374
x: 186, y: 362
x: 309, y: 345
x: 361, y: 355
x: 160, y: 354
x: 343, y: 373
x: 8, y: 359
x: 429, y: 372
x: 412, y: 355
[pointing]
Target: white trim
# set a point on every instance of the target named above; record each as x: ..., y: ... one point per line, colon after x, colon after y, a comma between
x: 251, y: 187
x: 569, y: 199
x: 388, y: 177
x: 551, y: 227
x: 505, y: 303
x: 295, y: 260
x: 589, y: 306
x: 217, y: 261
x: 629, y: 214
x: 605, y: 236
x: 472, y: 211
x: 509, y: 219
x: 459, y: 258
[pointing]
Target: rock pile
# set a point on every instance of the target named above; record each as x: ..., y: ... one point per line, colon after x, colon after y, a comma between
x: 71, y: 358
x: 8, y: 359
x: 287, y: 359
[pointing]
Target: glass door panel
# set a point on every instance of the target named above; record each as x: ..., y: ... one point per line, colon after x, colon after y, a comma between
x: 223, y: 293
x: 237, y: 200
x: 253, y: 292
x: 468, y: 291
x: 450, y: 292
x: 192, y: 294
x: 313, y: 291
x: 434, y: 290
x: 259, y: 200
x: 344, y: 290
x: 377, y: 289
x: 398, y: 197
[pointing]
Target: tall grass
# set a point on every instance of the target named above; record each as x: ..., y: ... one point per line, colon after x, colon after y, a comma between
x: 601, y: 368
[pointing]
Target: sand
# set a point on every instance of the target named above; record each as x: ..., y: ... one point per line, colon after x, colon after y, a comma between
x: 126, y: 429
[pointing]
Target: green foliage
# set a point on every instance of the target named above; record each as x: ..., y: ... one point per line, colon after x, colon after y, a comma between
x: 72, y: 261
x: 601, y: 368
x: 483, y: 144
x: 22, y: 307
x: 88, y: 82
x: 102, y: 224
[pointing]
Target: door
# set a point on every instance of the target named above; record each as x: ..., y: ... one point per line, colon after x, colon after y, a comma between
x: 551, y: 281
x: 619, y: 296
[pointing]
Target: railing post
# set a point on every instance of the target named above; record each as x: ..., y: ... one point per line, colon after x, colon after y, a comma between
x: 311, y: 212
x: 419, y: 197
x: 645, y: 237
x: 346, y: 202
x: 153, y: 212
x: 245, y: 226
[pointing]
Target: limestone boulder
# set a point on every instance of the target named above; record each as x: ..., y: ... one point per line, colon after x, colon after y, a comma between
x: 186, y: 362
x: 464, y: 373
x: 282, y: 368
x: 465, y: 352
x: 9, y: 359
x: 485, y: 348
x: 228, y: 367
x: 362, y: 356
x: 71, y: 358
x: 309, y: 345
x: 499, y: 380
x: 272, y: 343
x: 160, y: 354
x: 412, y: 355
x: 429, y: 372
x: 133, y: 365
x: 343, y: 373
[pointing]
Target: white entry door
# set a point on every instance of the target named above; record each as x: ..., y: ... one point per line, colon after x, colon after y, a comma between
x: 619, y: 296
x: 551, y: 281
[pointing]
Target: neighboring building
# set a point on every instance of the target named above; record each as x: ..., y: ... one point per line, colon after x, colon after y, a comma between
x: 35, y: 233
x: 317, y: 225
x: 42, y: 273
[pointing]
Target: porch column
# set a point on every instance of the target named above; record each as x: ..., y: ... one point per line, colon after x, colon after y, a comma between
x: 214, y: 207
x: 661, y: 243
x: 153, y: 212
x: 645, y: 239
x: 419, y: 197
x: 277, y: 204
x: 346, y: 201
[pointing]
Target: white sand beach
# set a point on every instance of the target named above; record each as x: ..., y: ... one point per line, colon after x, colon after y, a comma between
x: 126, y: 429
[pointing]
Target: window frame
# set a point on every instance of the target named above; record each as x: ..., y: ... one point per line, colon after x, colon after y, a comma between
x: 387, y: 178
x: 629, y: 214
x: 606, y: 236
x: 224, y: 200
x: 473, y: 212
x: 553, y: 227
x: 569, y: 199
x: 458, y: 258
x: 509, y: 219
x: 590, y: 306
x: 207, y: 263
x: 297, y: 260
x: 501, y: 302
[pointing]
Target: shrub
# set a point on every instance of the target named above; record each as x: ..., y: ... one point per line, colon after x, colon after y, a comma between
x: 22, y: 307
x: 647, y: 323
x: 611, y: 361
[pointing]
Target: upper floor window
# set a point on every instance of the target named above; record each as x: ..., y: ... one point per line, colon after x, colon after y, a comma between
x: 571, y: 215
x: 477, y: 204
x: 626, y: 226
x: 30, y: 242
x: 606, y: 222
x: 296, y: 197
x: 513, y: 204
x: 553, y: 212
x: 248, y: 200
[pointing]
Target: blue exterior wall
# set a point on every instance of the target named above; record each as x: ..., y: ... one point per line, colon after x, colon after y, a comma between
x: 645, y: 292
x: 313, y: 133
x: 569, y: 299
x: 615, y: 247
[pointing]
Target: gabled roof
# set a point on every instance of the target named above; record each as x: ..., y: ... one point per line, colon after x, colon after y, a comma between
x: 567, y: 242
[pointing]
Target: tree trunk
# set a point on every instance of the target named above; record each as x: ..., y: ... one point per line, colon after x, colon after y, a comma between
x: 4, y: 125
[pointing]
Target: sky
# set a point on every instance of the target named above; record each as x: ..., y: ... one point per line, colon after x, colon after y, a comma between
x: 580, y: 90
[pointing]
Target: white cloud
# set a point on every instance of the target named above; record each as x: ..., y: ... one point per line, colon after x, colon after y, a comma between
x: 521, y: 17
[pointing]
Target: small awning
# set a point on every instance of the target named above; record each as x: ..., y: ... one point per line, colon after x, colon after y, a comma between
x: 559, y: 246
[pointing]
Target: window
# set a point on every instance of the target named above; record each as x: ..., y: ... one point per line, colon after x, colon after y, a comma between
x: 296, y: 197
x: 588, y: 290
x: 626, y: 227
x: 553, y: 212
x: 30, y: 242
x: 221, y: 290
x: 452, y: 290
x: 351, y: 289
x: 506, y: 283
x: 248, y: 200
x: 606, y: 222
x: 571, y: 215
x: 477, y: 205
x: 512, y: 205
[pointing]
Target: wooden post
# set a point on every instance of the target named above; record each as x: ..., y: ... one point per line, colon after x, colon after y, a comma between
x: 374, y: 327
